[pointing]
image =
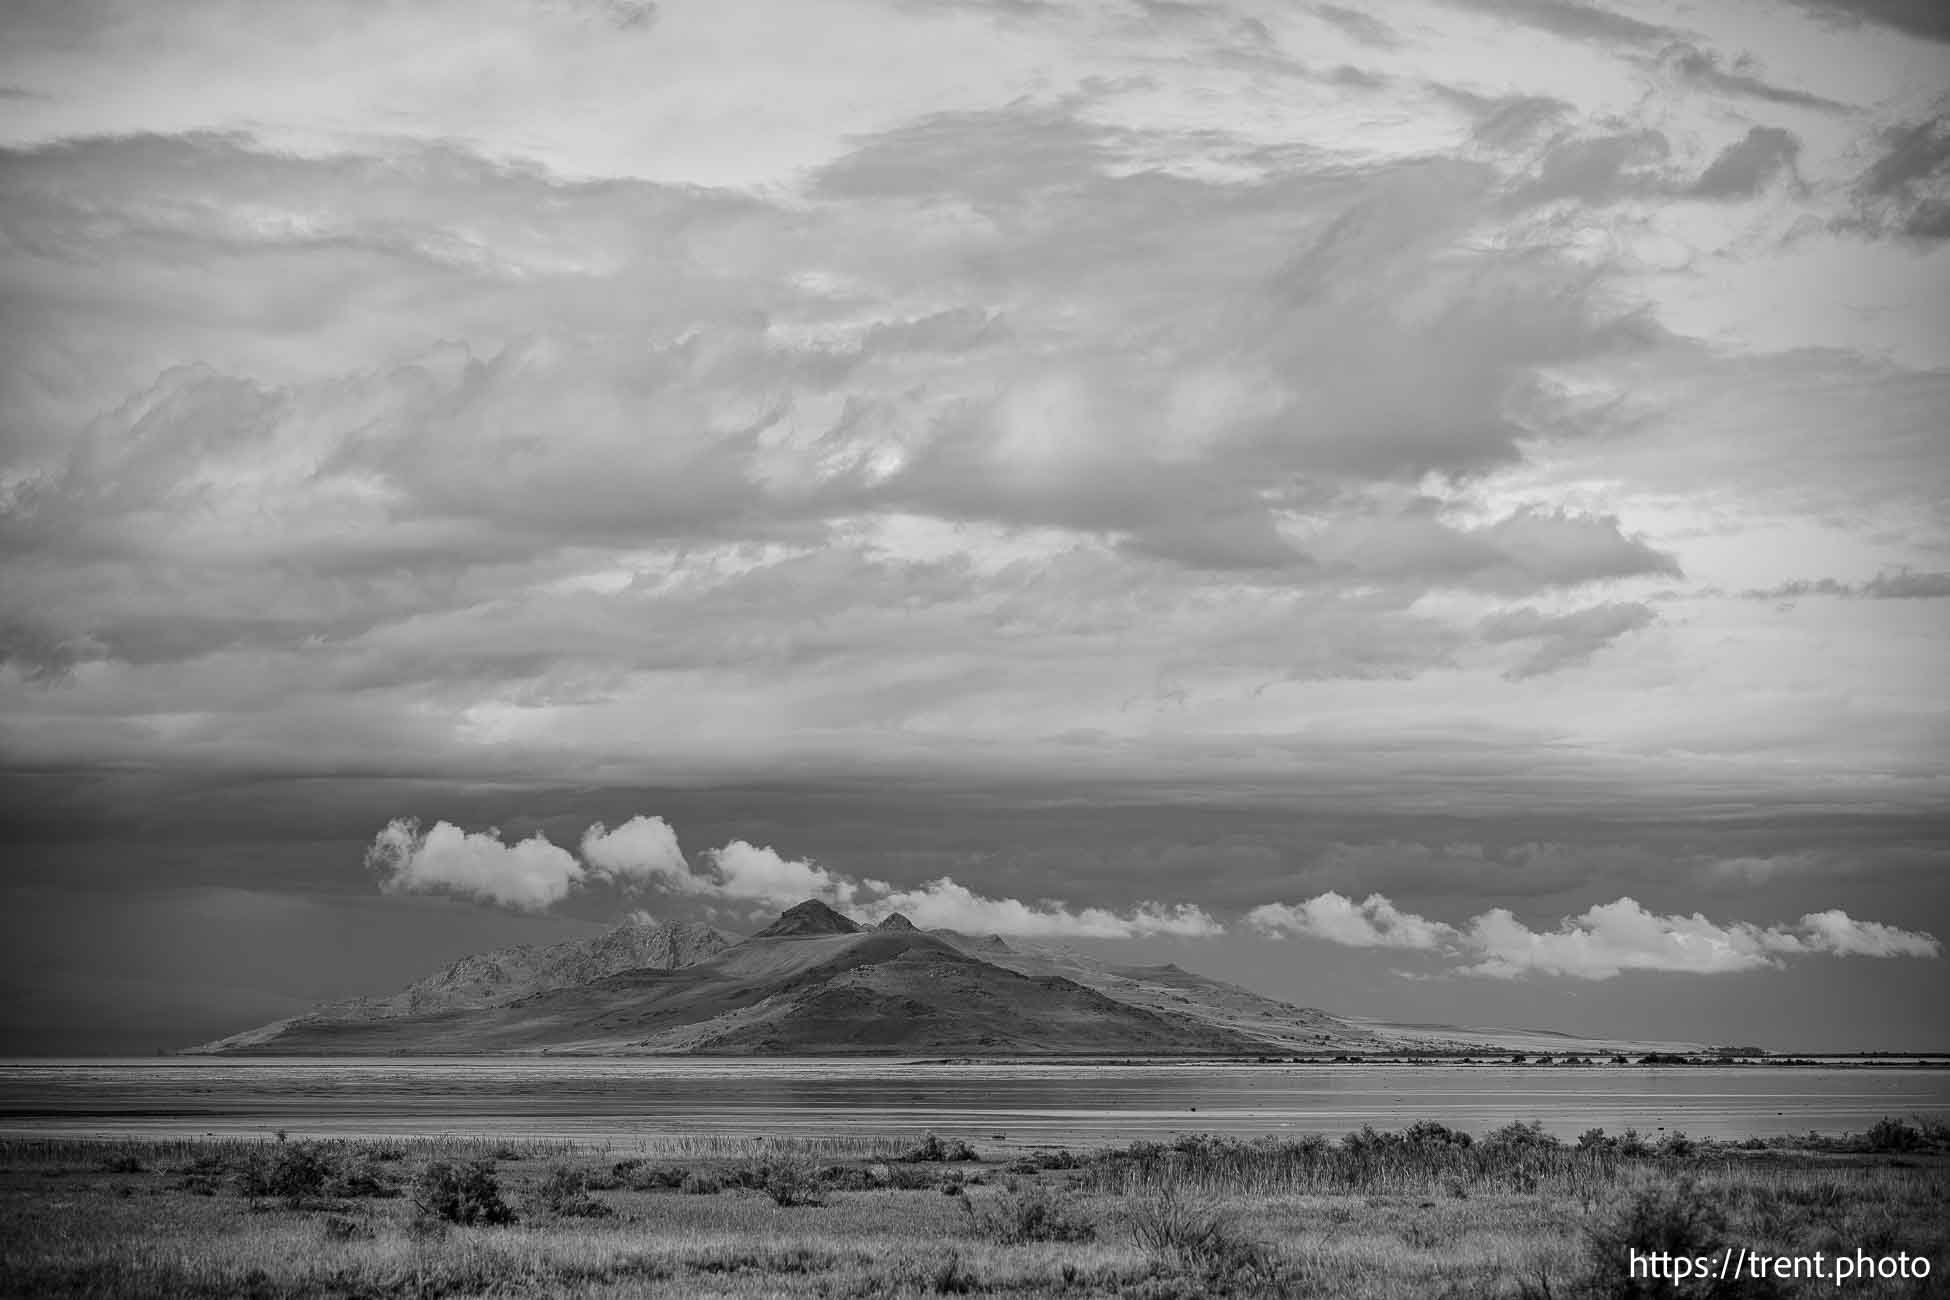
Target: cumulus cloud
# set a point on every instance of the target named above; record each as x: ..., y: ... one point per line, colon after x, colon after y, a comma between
x: 1598, y: 944
x: 527, y: 876
x: 642, y: 849
x: 945, y: 904
x: 1372, y: 923
x: 1837, y: 932
x: 761, y: 874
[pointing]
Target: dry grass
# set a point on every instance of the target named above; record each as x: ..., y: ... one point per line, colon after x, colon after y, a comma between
x: 1377, y: 1216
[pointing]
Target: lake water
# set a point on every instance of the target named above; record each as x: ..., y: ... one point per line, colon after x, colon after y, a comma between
x: 1033, y: 1104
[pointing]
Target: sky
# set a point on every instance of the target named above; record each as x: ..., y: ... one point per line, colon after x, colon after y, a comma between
x: 1436, y: 510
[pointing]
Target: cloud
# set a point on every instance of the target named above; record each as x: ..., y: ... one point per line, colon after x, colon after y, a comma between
x: 1907, y: 188
x: 761, y: 874
x: 641, y: 850
x: 1702, y: 70
x: 1564, y: 640
x: 1372, y: 923
x: 1925, y: 18
x: 644, y: 851
x: 528, y: 876
x: 1745, y: 167
x: 1900, y: 585
x: 943, y: 904
x: 1572, y: 21
x: 1837, y: 932
x: 1598, y: 944
x: 1596, y: 170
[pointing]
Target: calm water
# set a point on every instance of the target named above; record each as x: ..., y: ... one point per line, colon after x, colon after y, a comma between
x: 1073, y: 1104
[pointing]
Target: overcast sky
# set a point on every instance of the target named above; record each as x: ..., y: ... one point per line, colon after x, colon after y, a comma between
x: 1435, y: 510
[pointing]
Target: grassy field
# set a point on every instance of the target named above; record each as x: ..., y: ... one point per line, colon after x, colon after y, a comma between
x: 1426, y: 1212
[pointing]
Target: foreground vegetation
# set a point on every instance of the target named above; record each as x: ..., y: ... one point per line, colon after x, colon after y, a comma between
x: 1425, y: 1212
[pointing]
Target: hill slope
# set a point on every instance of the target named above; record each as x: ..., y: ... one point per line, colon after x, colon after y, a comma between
x: 506, y: 974
x: 1273, y: 1026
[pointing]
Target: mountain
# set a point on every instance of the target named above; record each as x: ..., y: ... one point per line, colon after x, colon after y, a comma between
x: 813, y: 982
x: 506, y: 974
x: 1272, y: 1025
x: 817, y: 982
x: 811, y: 917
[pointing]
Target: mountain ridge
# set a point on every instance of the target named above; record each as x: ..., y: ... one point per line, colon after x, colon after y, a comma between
x: 817, y: 982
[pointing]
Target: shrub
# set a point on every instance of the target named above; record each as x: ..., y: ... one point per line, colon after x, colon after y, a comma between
x: 564, y: 1192
x: 1676, y: 1144
x: 790, y: 1183
x: 468, y: 1194
x: 358, y: 1177
x: 1632, y: 1143
x: 1518, y: 1136
x: 1674, y: 1218
x: 1199, y: 1239
x: 934, y: 1150
x: 294, y: 1171
x: 639, y: 1177
x: 1892, y: 1135
x: 1035, y: 1215
x: 1429, y: 1133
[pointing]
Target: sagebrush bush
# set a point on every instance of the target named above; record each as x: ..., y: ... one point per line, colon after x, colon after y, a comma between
x: 1675, y: 1219
x: 1198, y: 1237
x: 934, y: 1150
x: 1892, y: 1135
x: 564, y: 1192
x: 1034, y: 1215
x: 468, y: 1194
x: 292, y: 1171
x: 788, y: 1182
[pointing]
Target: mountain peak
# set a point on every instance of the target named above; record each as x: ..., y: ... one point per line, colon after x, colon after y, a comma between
x: 895, y: 922
x: 809, y: 918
